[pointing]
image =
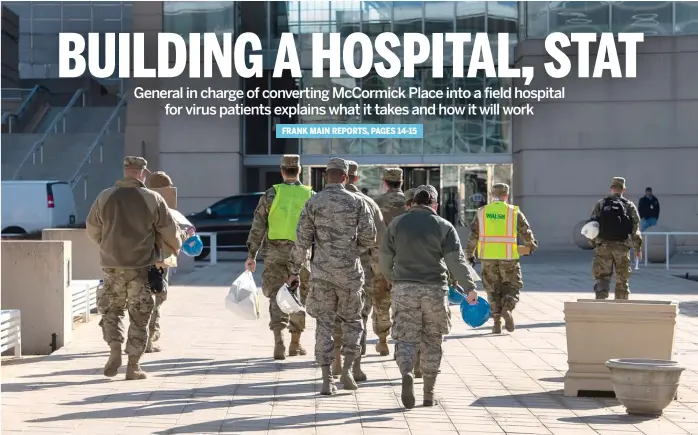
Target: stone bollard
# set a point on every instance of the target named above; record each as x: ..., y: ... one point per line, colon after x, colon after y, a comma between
x: 656, y: 245
x: 579, y: 239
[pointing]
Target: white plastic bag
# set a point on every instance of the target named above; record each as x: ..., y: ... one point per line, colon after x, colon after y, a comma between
x: 243, y: 297
x: 288, y: 301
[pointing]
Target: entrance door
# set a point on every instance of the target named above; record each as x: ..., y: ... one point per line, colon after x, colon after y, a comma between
x: 415, y: 177
x: 474, y: 184
x: 317, y: 178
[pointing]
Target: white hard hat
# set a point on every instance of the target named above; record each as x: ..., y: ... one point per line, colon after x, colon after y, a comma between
x: 591, y: 230
x: 288, y: 301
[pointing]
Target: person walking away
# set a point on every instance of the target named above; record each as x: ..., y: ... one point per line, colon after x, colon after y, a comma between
x: 341, y: 226
x: 274, y: 225
x: 648, y: 207
x: 158, y: 179
x: 367, y: 256
x: 417, y: 253
x: 392, y: 204
x: 493, y: 235
x: 619, y: 230
x: 132, y: 226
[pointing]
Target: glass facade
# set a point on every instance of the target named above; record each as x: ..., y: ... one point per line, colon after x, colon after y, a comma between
x: 41, y: 22
x: 187, y: 17
x: 648, y: 17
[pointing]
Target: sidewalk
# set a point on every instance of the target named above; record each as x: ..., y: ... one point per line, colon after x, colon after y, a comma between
x: 215, y: 375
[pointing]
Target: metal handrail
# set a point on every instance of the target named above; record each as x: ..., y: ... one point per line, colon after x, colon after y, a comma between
x: 24, y: 104
x: 39, y: 144
x: 97, y: 142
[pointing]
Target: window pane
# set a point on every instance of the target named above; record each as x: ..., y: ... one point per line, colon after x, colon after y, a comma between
x: 497, y: 127
x: 228, y: 207
x: 377, y: 17
x: 374, y: 82
x: 257, y: 126
x: 346, y: 17
x: 650, y: 18
x: 314, y: 16
x: 438, y: 129
x: 106, y: 12
x: 438, y: 17
x: 407, y: 146
x: 580, y: 17
x: 198, y: 17
x: 253, y: 18
x: 407, y: 17
x: 345, y: 145
x: 284, y: 145
x: 46, y: 10
x: 315, y: 146
x: 249, y: 205
x: 468, y: 128
x: 686, y: 18
x: 77, y: 12
x: 78, y: 26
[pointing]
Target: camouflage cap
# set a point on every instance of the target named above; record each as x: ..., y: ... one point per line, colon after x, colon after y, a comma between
x: 133, y: 162
x: 159, y: 179
x: 618, y: 182
x: 409, y: 194
x: 500, y: 189
x: 353, y: 167
x: 392, y: 174
x: 337, y: 163
x: 290, y: 161
x: 431, y: 190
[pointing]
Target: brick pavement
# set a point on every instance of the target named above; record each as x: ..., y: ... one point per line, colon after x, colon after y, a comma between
x: 215, y: 374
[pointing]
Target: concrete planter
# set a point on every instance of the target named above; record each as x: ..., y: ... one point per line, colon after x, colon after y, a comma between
x: 600, y: 330
x: 644, y: 386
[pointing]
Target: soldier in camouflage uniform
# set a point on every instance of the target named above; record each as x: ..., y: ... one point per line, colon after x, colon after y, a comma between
x: 409, y: 197
x: 276, y: 254
x: 341, y: 225
x: 609, y: 253
x: 418, y: 251
x: 131, y: 215
x: 367, y: 256
x: 392, y: 204
x: 501, y: 278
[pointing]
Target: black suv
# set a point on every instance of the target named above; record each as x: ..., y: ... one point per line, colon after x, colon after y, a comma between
x: 231, y: 218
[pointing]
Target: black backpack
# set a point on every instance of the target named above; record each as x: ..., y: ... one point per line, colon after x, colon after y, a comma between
x: 614, y: 222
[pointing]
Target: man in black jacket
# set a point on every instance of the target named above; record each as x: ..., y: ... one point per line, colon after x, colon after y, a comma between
x: 648, y: 207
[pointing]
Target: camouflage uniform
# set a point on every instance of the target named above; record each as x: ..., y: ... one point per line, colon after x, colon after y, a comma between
x: 610, y: 255
x: 392, y: 204
x: 502, y: 278
x: 276, y: 272
x: 129, y: 214
x: 368, y: 255
x: 417, y: 253
x: 409, y: 196
x: 341, y: 225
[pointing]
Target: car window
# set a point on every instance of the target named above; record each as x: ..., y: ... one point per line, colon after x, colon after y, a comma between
x: 249, y: 205
x: 228, y: 207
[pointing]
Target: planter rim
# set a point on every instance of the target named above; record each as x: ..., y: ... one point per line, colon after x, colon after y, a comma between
x: 625, y: 301
x: 659, y: 365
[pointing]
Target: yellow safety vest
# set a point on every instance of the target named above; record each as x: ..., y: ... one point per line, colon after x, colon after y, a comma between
x: 286, y: 210
x: 497, y: 227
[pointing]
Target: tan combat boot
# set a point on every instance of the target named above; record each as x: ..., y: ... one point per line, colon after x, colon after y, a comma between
x: 418, y: 365
x: 347, y: 377
x: 382, y: 346
x: 134, y: 370
x: 497, y: 327
x: 407, y: 394
x: 279, y: 346
x: 508, y: 320
x: 429, y: 383
x: 328, y: 386
x: 295, y: 348
x: 337, y: 363
x: 114, y: 361
x: 359, y: 375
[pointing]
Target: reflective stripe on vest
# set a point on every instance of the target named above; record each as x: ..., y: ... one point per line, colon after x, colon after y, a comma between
x: 497, y: 227
x: 286, y: 210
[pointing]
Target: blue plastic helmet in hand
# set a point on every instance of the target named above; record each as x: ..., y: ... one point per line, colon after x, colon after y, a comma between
x: 477, y: 314
x: 193, y: 246
x: 454, y: 296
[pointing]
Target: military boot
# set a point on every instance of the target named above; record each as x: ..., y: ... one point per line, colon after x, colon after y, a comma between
x: 347, y: 377
x: 152, y: 347
x: 508, y: 320
x: 359, y: 375
x: 114, y: 361
x: 497, y: 327
x: 328, y: 387
x: 418, y: 365
x: 382, y: 346
x: 407, y: 394
x: 429, y: 383
x: 295, y: 348
x: 279, y: 346
x: 134, y: 370
x: 337, y: 363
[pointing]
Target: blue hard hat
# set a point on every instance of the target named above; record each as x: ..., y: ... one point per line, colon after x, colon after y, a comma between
x: 477, y: 314
x: 454, y: 296
x: 193, y: 246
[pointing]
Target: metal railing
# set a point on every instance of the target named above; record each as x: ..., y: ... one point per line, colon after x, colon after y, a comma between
x: 11, y: 331
x: 98, y: 142
x: 17, y: 94
x: 84, y: 292
x: 213, y: 247
x: 667, y: 235
x: 39, y: 145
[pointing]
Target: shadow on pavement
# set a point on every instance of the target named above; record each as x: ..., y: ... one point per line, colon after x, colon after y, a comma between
x: 543, y: 400
x: 620, y: 419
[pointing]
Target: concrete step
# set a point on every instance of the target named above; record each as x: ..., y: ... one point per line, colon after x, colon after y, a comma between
x: 14, y: 147
x: 47, y: 119
x: 61, y: 156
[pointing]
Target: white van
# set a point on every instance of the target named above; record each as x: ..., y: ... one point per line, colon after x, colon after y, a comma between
x: 31, y: 206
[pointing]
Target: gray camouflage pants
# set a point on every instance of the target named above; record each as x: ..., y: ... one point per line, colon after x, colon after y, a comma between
x: 421, y: 320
